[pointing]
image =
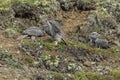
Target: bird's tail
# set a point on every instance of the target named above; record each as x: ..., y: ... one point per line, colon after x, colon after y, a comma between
x: 64, y: 41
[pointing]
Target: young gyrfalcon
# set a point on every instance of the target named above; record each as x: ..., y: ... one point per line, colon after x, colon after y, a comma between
x: 53, y: 29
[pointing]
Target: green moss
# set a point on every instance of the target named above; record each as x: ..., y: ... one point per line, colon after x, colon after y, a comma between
x: 29, y: 60
x: 71, y: 66
x: 33, y: 2
x: 12, y: 27
x: 56, y: 61
x: 80, y: 76
x: 7, y: 58
x: 115, y: 74
x: 111, y: 52
x: 86, y: 1
x: 50, y: 59
x: 27, y: 45
x: 45, y: 56
x: 49, y: 45
x: 93, y: 76
x: 55, y: 76
x: 4, y: 4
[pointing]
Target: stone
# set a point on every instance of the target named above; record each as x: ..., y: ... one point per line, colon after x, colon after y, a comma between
x: 87, y: 63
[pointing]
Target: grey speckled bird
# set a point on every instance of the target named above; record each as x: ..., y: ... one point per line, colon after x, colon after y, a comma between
x: 93, y: 36
x: 53, y: 29
x: 96, y: 40
x: 101, y: 43
x: 32, y: 32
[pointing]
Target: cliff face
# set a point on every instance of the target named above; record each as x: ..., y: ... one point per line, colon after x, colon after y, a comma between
x: 91, y: 30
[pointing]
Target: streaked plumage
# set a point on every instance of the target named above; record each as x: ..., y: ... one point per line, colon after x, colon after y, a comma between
x: 34, y: 31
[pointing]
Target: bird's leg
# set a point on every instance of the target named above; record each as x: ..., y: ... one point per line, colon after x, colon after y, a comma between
x: 91, y: 42
x: 56, y: 42
x: 21, y: 37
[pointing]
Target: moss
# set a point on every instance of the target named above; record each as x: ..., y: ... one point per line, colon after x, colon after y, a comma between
x: 4, y: 4
x: 33, y: 2
x: 29, y: 60
x: 111, y: 52
x: 86, y: 1
x: 11, y: 26
x: 71, y: 66
x: 31, y: 43
x: 49, y: 45
x: 55, y: 76
x: 45, y: 56
x: 50, y: 59
x: 30, y: 46
x: 7, y: 58
x: 93, y: 76
x: 56, y: 61
x: 115, y: 74
x: 80, y: 76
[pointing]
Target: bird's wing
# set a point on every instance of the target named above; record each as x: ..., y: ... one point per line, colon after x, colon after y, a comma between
x: 55, y: 27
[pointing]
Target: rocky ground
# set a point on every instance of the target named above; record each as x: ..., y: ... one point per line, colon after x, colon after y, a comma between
x: 78, y: 60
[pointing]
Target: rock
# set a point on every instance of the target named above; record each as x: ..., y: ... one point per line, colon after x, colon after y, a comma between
x: 102, y: 70
x: 87, y: 64
x: 117, y: 42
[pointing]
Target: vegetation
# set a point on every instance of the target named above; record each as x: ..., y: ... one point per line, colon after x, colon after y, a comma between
x: 58, y: 62
x: 9, y: 59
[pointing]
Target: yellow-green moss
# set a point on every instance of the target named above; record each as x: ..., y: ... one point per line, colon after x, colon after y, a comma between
x: 80, y: 76
x: 114, y: 75
x: 5, y: 4
x: 111, y: 52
